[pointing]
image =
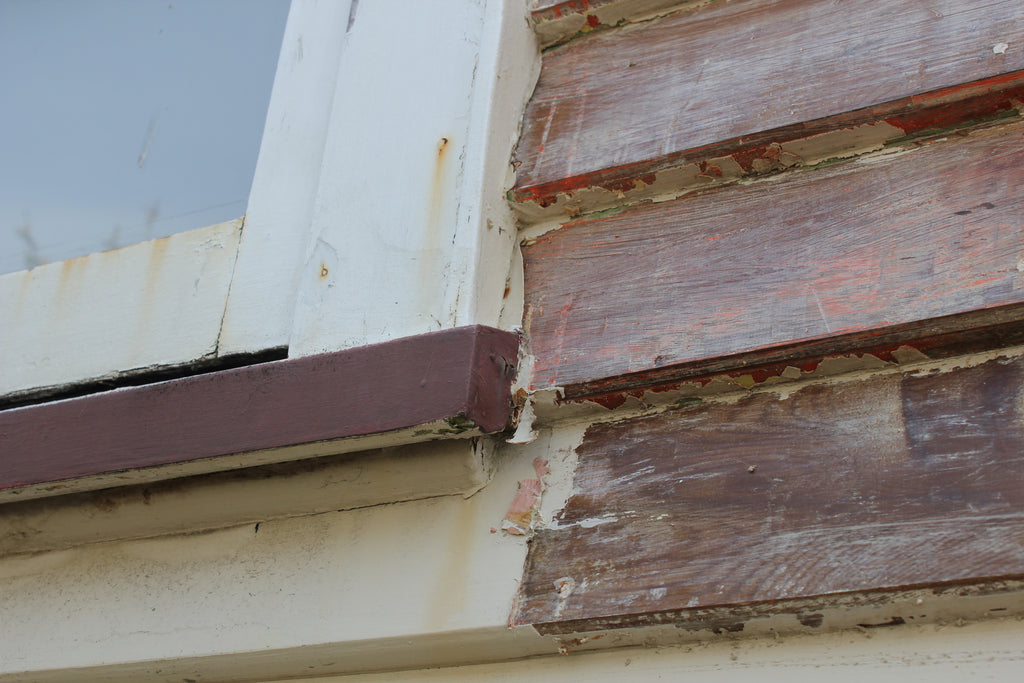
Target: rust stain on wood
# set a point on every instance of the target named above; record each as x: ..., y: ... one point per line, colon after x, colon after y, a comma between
x: 881, y: 484
x: 856, y: 255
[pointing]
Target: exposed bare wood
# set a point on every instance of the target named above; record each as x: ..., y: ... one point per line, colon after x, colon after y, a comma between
x: 557, y: 20
x: 935, y: 338
x: 884, y: 250
x: 729, y: 78
x: 880, y: 484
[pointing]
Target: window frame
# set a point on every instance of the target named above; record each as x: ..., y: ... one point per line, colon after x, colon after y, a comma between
x: 264, y: 283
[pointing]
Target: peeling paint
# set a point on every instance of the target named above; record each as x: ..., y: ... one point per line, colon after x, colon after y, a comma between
x: 573, y: 415
x: 559, y: 22
x: 522, y: 513
x: 791, y: 148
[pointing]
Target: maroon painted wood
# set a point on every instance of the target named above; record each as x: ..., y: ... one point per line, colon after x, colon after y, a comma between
x: 880, y: 484
x: 731, y: 77
x: 888, y: 251
x: 540, y: 7
x: 462, y: 375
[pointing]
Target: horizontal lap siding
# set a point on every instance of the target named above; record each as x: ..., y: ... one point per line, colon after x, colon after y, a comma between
x: 865, y: 485
x: 729, y: 71
x: 890, y: 482
x: 854, y: 248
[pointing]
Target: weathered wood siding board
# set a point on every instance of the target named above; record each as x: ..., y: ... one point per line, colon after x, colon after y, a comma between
x: 846, y: 250
x: 890, y: 482
x: 628, y: 99
x: 936, y: 338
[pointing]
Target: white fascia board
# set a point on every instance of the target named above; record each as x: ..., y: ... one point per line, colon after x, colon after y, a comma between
x: 153, y: 304
x: 487, y: 233
x: 983, y: 651
x: 410, y: 233
x: 280, y: 210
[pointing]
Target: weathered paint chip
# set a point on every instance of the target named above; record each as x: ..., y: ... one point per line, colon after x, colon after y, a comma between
x: 522, y: 512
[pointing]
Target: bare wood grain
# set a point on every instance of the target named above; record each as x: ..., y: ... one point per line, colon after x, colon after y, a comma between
x: 614, y: 106
x: 911, y: 245
x: 880, y: 484
x: 558, y: 20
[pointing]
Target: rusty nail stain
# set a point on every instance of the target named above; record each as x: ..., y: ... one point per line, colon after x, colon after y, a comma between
x: 323, y: 271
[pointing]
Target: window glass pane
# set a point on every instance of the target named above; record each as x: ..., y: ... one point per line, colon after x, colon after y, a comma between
x: 126, y: 120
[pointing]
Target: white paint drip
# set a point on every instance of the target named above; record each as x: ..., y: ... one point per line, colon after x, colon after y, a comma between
x: 596, y: 521
x: 524, y: 430
x: 588, y: 523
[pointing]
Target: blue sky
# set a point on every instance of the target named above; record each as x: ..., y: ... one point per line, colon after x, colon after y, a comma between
x: 126, y: 120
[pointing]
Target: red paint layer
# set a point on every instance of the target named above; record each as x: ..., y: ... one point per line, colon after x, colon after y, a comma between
x: 948, y: 108
x: 964, y: 334
x: 607, y: 107
x: 849, y: 257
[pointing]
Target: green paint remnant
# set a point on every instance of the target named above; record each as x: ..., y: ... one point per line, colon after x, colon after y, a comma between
x: 604, y: 213
x: 746, y: 381
x: 457, y: 424
x: 687, y: 402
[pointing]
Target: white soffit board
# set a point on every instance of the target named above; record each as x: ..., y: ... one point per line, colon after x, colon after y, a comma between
x: 153, y: 304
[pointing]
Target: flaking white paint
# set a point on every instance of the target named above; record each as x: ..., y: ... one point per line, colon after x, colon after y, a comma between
x: 406, y: 586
